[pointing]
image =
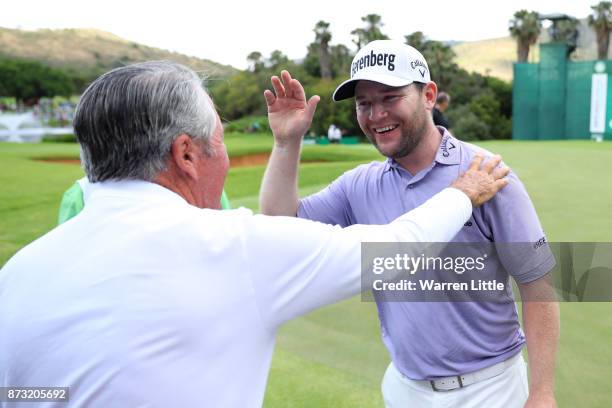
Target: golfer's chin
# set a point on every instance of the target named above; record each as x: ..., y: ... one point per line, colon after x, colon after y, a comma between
x: 387, y: 148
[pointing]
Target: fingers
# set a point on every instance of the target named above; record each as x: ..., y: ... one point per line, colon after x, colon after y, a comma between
x: 285, y: 76
x: 312, y: 104
x: 499, y: 184
x: 492, y: 163
x: 501, y: 172
x: 285, y: 86
x: 270, y: 98
x: 279, y: 89
x: 297, y: 90
x: 289, y: 88
x: 475, y: 165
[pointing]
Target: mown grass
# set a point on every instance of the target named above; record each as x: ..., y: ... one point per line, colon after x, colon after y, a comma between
x: 334, y: 357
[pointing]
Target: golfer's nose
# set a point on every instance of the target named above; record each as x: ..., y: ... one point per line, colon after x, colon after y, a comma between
x: 378, y: 111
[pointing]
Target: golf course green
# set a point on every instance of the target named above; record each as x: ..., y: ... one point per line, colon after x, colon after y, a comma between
x: 334, y: 357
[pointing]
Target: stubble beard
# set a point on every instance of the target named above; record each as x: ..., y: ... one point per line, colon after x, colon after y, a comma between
x: 410, y: 138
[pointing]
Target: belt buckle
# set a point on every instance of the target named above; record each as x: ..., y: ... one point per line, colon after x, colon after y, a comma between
x: 459, y: 380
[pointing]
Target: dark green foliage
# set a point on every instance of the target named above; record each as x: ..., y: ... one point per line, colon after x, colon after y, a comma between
x: 481, y: 107
x: 601, y: 21
x: 28, y: 81
x: 372, y: 30
x: 503, y: 93
x: 249, y: 124
x: 525, y: 26
x: 342, y: 114
x: 340, y: 57
x: 242, y: 94
x: 67, y: 138
x: 480, y: 119
x: 466, y: 125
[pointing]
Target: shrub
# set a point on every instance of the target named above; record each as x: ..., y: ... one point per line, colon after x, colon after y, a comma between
x: 66, y: 138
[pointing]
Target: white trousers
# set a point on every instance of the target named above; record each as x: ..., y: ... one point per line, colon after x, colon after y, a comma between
x: 510, y: 389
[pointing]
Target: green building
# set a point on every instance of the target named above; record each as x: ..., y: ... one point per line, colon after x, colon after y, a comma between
x: 561, y: 99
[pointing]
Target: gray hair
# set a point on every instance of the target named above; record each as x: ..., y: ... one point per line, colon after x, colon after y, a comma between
x: 127, y: 119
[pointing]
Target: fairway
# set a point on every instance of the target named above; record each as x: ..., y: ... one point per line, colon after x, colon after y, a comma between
x: 334, y: 356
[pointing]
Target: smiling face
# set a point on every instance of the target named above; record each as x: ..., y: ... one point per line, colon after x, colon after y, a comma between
x: 394, y: 119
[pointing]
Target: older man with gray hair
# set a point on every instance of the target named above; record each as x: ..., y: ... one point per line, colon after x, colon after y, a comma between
x: 168, y: 301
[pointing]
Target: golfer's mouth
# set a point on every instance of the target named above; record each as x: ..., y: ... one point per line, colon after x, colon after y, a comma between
x: 385, y: 129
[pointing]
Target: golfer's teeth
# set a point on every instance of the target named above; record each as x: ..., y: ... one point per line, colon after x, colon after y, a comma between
x: 385, y: 129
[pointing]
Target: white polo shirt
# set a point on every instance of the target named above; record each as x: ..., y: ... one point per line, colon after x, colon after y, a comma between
x: 145, y: 300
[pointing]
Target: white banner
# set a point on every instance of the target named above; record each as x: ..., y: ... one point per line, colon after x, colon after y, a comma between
x: 599, y: 93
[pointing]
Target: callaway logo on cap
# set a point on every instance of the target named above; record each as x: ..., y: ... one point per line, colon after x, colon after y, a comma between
x: 387, y: 62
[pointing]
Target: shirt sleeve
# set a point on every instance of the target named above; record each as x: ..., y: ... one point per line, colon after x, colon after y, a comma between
x: 329, y: 206
x: 299, y: 265
x: 72, y: 203
x: 518, y: 235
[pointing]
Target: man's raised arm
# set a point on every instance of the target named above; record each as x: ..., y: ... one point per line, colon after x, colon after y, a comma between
x: 290, y: 116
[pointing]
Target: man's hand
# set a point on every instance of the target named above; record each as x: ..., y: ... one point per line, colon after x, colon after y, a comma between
x: 289, y: 114
x: 481, y: 184
x: 541, y: 401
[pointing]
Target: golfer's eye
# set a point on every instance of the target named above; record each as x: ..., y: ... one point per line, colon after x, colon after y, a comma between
x: 363, y: 105
x: 391, y: 98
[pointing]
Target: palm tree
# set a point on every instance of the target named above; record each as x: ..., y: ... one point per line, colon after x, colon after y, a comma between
x: 360, y: 37
x: 525, y: 27
x: 416, y: 40
x: 323, y: 37
x: 255, y: 62
x: 440, y: 57
x: 371, y: 32
x: 601, y: 21
x: 373, y: 28
x: 341, y: 58
x: 277, y: 59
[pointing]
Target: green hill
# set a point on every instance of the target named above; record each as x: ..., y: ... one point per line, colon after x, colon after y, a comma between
x: 90, y: 52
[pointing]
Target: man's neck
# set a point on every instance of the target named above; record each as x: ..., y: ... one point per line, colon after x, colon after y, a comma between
x: 424, y: 154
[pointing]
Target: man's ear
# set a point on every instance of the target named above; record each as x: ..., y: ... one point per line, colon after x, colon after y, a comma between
x: 184, y: 156
x: 430, y: 93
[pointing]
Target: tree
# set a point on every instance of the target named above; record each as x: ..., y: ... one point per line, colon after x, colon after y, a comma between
x: 601, y: 21
x: 525, y: 27
x: 565, y: 30
x: 28, y: 81
x: 255, y: 62
x: 277, y: 59
x: 359, y: 39
x: 416, y: 40
x: 312, y: 61
x: 440, y: 58
x: 341, y: 59
x: 322, y: 38
x: 371, y: 32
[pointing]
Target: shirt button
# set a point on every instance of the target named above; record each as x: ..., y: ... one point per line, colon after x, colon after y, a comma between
x: 411, y: 186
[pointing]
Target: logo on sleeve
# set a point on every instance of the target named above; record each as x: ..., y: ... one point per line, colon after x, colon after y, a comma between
x: 539, y: 243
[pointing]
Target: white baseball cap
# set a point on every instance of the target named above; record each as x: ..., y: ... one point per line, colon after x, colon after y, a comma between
x: 388, y: 62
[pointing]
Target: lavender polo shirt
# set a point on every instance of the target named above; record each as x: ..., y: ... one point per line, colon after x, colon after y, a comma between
x: 428, y: 340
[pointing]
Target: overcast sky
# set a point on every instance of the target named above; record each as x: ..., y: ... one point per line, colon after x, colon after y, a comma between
x: 227, y: 31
